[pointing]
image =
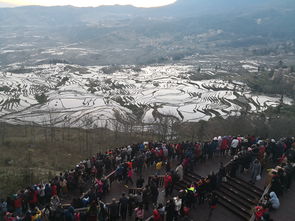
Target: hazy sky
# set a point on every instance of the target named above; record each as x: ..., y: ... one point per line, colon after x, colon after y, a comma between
x: 94, y: 3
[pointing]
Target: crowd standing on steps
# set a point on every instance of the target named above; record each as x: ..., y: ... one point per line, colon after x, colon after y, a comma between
x: 42, y: 201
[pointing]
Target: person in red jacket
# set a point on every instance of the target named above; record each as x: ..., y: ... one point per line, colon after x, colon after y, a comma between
x: 18, y: 205
x: 259, y: 212
x: 156, y: 215
x: 53, y: 189
x: 34, y: 198
x: 167, y: 184
x: 224, y: 146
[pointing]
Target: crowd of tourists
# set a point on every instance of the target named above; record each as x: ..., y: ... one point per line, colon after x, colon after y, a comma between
x: 43, y: 201
x: 248, y: 156
x: 279, y: 180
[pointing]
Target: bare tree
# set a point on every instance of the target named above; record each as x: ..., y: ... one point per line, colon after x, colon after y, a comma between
x: 87, y: 122
x: 3, y: 132
x: 52, y: 124
x: 44, y: 125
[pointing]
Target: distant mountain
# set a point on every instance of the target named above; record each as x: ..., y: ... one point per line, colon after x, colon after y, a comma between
x: 6, y: 5
x: 34, y: 15
x: 189, y: 8
x: 144, y: 35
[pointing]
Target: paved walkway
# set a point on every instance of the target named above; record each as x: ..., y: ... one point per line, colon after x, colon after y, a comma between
x: 287, y: 210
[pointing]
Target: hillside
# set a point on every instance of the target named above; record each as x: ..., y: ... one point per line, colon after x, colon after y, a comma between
x: 145, y: 36
x: 77, y: 81
x: 67, y: 95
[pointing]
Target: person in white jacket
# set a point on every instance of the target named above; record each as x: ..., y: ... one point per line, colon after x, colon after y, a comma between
x: 178, y: 204
x: 274, y: 200
x: 179, y: 171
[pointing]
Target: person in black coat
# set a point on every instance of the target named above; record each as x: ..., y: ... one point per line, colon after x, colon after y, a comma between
x: 140, y: 182
x: 131, y: 204
x: 212, y: 148
x: 221, y: 174
x: 113, y: 210
x: 212, y: 182
x: 233, y: 168
x: 170, y: 210
x: 146, y: 197
x: 123, y: 206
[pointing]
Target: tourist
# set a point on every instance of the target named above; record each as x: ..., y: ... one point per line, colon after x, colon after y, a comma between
x: 154, y: 190
x: 156, y: 215
x: 139, y: 213
x: 161, y: 210
x: 274, y: 201
x: 129, y: 176
x: 187, y: 153
x: 212, y: 181
x: 212, y: 147
x: 170, y: 210
x: 255, y: 171
x: 224, y: 145
x: 123, y: 206
x: 54, y: 203
x: 221, y: 174
x: 260, y: 210
x: 168, y: 184
x: 70, y: 214
x: 179, y: 171
x: 213, y: 200
x: 140, y: 182
x: 113, y: 210
x: 233, y: 167
x: 18, y: 205
x: 146, y: 197
x: 234, y: 146
x: 178, y: 205
x: 201, y: 190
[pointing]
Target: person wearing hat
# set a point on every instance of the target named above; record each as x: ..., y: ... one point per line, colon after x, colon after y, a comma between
x: 274, y: 201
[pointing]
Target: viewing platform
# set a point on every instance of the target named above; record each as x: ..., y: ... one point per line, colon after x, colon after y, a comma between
x: 245, y: 194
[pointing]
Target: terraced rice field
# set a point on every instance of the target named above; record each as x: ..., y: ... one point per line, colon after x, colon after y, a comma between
x: 91, y: 97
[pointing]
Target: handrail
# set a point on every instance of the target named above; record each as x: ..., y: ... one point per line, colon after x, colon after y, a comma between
x: 86, y: 208
x: 109, y: 176
x: 266, y: 190
x: 149, y: 219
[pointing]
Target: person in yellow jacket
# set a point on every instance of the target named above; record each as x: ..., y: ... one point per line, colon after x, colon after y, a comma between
x: 159, y: 165
x: 36, y: 215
